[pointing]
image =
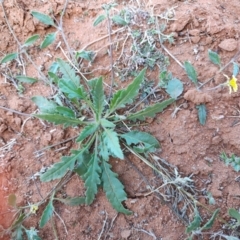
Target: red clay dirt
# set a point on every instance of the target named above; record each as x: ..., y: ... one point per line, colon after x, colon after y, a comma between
x: 193, y: 148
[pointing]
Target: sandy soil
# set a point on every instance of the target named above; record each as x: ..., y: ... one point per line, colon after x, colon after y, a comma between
x: 185, y: 143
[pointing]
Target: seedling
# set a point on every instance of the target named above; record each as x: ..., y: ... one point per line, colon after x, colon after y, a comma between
x: 195, y: 228
x: 233, y: 161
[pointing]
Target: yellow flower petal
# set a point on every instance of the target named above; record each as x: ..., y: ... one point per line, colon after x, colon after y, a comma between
x: 33, y: 209
x: 233, y: 83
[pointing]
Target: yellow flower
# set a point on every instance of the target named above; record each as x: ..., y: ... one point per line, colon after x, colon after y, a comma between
x: 33, y: 209
x: 231, y: 83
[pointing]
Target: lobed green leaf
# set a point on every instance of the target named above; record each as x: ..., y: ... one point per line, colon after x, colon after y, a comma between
x: 82, y: 163
x: 202, y: 113
x: 110, y: 139
x: 47, y: 214
x: 59, y: 119
x: 234, y: 214
x: 174, y: 88
x: 214, y: 57
x: 145, y: 141
x: 65, y: 111
x: 44, y: 104
x: 48, y: 40
x: 43, y: 18
x: 210, y: 222
x: 195, y: 224
x: 87, y: 55
x: 92, y: 179
x: 119, y: 20
x: 71, y: 89
x: 31, y: 40
x: 87, y: 131
x: 191, y: 72
x: 26, y: 79
x: 150, y: 111
x: 58, y: 170
x: 124, y: 96
x: 98, y: 20
x: 9, y: 57
x: 113, y: 188
x: 68, y: 72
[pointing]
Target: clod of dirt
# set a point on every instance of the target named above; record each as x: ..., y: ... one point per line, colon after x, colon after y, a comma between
x: 125, y: 234
x: 228, y: 44
x: 193, y: 95
x: 180, y: 23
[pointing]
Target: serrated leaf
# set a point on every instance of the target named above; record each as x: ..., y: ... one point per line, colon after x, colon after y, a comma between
x: 111, y: 140
x: 31, y: 40
x: 47, y: 214
x: 26, y: 79
x: 87, y: 131
x: 82, y: 163
x: 124, y: 96
x: 65, y: 111
x: 210, y: 222
x: 68, y: 72
x: 59, y: 119
x: 54, y: 77
x: 98, y: 97
x: 98, y: 20
x: 9, y: 57
x: 234, y: 214
x: 12, y: 199
x: 48, y: 40
x: 113, y: 188
x: 71, y: 89
x: 145, y: 141
x: 53, y: 67
x: 174, y: 88
x: 235, y: 69
x: 214, y: 57
x: 43, y: 18
x: 191, y: 72
x: 202, y: 113
x: 119, y: 20
x: 150, y: 111
x: 103, y: 149
x: 92, y: 179
x: 107, y: 124
x: 32, y: 234
x: 72, y: 201
x: 59, y: 169
x: 87, y: 55
x: 195, y: 224
x: 44, y: 104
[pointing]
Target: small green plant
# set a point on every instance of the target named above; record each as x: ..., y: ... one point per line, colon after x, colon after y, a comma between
x: 233, y: 161
x: 103, y: 133
x: 195, y: 228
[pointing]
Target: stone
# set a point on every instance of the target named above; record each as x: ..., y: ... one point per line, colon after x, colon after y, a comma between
x: 125, y: 234
x: 195, y: 39
x: 180, y: 23
x: 228, y: 44
x: 194, y: 32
